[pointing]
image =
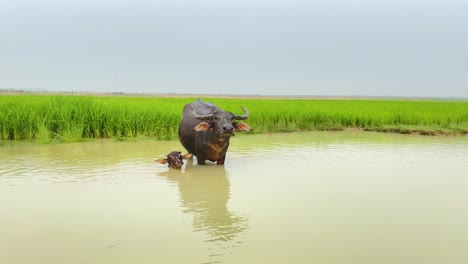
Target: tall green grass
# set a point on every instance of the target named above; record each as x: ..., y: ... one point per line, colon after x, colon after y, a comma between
x: 74, y: 118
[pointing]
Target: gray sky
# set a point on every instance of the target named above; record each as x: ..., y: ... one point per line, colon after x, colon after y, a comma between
x: 333, y: 47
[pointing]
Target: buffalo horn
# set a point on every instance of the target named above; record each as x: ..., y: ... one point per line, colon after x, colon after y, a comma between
x: 242, y: 117
x: 201, y: 117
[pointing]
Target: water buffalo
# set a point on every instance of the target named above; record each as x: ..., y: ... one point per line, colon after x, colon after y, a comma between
x: 205, y: 130
x: 174, y: 159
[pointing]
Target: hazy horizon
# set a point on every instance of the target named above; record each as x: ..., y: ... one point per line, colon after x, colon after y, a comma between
x: 397, y: 48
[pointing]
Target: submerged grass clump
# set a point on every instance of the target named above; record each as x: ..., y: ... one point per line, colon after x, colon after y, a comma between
x: 74, y: 118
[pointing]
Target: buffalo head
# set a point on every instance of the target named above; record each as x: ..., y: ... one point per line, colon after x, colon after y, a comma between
x: 222, y: 123
x: 174, y: 159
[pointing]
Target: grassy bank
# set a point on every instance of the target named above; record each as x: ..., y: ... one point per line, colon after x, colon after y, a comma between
x: 74, y: 118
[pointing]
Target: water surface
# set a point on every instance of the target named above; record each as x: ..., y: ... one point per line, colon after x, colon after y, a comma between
x: 312, y: 197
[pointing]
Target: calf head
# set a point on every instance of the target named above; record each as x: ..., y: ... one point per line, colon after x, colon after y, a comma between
x: 174, y: 159
x: 222, y: 123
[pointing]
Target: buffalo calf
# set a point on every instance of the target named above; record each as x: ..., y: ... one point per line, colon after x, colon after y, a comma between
x: 174, y: 159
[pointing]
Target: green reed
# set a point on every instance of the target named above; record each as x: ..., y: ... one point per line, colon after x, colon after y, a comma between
x: 74, y: 118
x: 403, y: 116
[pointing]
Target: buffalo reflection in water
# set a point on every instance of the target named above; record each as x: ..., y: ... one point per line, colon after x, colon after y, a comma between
x: 204, y: 194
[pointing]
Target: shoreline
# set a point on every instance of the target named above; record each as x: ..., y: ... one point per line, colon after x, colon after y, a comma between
x: 404, y: 132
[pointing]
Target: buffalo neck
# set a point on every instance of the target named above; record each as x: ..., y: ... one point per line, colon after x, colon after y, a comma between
x: 220, y: 142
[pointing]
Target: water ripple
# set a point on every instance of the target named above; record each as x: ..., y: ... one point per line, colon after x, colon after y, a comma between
x: 25, y: 169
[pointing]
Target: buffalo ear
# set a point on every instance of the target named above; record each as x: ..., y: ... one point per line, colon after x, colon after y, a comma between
x: 187, y: 156
x: 203, y: 126
x: 162, y: 160
x: 242, y: 127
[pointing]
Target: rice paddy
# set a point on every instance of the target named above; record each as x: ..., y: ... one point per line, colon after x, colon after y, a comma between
x: 46, y: 118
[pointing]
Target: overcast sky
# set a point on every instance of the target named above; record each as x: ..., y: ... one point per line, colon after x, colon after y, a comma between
x: 322, y: 47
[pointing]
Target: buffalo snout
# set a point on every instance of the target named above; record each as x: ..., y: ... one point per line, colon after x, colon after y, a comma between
x: 228, y: 129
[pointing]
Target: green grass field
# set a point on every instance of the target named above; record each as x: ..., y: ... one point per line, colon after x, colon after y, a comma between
x: 45, y: 118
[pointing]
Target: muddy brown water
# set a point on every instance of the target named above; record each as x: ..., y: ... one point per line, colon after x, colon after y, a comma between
x: 312, y: 197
